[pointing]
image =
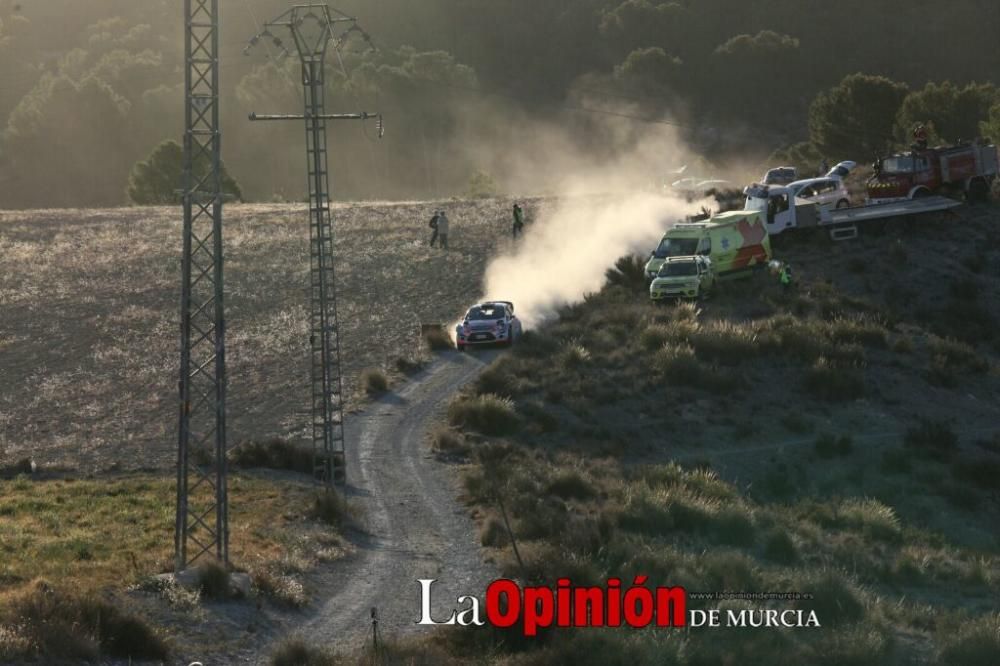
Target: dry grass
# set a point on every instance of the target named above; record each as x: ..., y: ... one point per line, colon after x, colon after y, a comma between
x: 89, y: 534
x: 97, y: 389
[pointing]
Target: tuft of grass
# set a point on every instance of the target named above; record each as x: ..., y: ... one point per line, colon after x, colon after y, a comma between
x: 836, y: 383
x: 437, y: 339
x: 859, y: 645
x: 835, y: 599
x: 374, y: 382
x: 874, y: 519
x: 935, y: 439
x: 958, y: 354
x: 407, y: 365
x: 295, y: 651
x: 864, y: 330
x: 725, y: 343
x: 489, y: 414
x: 830, y: 446
x: 975, y: 643
x: 680, y: 367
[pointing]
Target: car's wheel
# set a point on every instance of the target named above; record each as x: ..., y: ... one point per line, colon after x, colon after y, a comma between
x: 843, y: 203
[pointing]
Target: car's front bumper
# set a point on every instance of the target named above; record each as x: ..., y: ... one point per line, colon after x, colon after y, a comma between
x: 673, y: 291
x: 483, y: 338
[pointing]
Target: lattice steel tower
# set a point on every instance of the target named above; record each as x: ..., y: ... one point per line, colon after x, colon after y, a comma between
x: 202, y: 525
x: 313, y: 27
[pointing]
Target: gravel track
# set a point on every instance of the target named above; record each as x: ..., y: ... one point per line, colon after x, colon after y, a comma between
x: 414, y: 527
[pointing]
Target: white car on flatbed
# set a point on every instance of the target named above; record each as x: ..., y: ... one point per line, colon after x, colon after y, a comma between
x: 489, y: 323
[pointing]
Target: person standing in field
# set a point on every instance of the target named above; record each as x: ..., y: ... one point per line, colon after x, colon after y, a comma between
x: 518, y: 220
x: 434, y: 225
x: 442, y: 229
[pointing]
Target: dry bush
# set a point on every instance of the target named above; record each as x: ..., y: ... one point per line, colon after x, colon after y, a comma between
x: 332, y: 508
x: 837, y: 383
x: 835, y: 599
x: 66, y: 627
x: 274, y: 453
x: 863, y: 330
x: 571, y: 484
x: 447, y: 441
x: 374, y: 382
x: 493, y: 534
x: 725, y: 343
x: 489, y: 414
x: 958, y: 355
x: 213, y: 580
x: 874, y: 519
x: 295, y: 651
x: 975, y: 643
x: 437, y: 339
x: 628, y: 272
x: 859, y: 645
x: 779, y: 547
x: 281, y: 588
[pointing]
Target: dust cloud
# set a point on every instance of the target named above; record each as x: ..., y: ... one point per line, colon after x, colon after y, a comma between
x: 603, y: 209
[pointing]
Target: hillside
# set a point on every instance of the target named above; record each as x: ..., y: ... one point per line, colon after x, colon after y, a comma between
x: 841, y: 439
x: 90, y: 298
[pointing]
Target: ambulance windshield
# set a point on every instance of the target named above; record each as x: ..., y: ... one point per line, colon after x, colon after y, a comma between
x: 676, y: 247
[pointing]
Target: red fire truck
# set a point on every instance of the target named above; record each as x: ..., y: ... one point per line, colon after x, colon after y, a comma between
x: 967, y: 168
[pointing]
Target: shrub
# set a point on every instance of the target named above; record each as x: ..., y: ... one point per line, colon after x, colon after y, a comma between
x: 437, y: 339
x: 728, y: 571
x: 680, y: 367
x: 275, y: 453
x: 497, y: 379
x: 873, y: 518
x: 408, y: 366
x: 545, y: 420
x: 570, y: 484
x: 837, y: 383
x: 295, y: 651
x: 862, y: 330
x: 213, y: 580
x: 332, y: 508
x: 278, y: 587
x: 629, y: 272
x: 835, y: 599
x: 489, y: 414
x: 830, y: 446
x: 448, y: 441
x: 65, y: 627
x: 733, y: 526
x: 933, y: 438
x: 976, y: 643
x: 779, y: 547
x: 493, y: 534
x: 374, y: 382
x: 959, y: 354
x: 725, y: 343
x: 860, y: 645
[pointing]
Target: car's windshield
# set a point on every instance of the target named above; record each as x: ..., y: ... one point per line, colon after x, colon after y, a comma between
x: 676, y: 247
x: 677, y: 269
x: 478, y: 313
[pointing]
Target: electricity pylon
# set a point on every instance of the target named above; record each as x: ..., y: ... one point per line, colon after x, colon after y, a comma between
x: 313, y: 27
x: 202, y: 524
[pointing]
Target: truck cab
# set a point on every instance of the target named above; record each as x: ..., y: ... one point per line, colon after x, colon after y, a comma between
x: 781, y: 209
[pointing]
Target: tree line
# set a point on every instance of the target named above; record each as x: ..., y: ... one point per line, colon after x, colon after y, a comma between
x: 92, y: 92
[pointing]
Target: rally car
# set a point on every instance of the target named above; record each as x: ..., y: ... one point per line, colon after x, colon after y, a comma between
x: 488, y: 323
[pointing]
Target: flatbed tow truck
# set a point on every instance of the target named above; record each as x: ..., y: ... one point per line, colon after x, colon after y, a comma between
x: 783, y: 211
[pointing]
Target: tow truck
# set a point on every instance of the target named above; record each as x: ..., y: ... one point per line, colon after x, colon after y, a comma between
x: 782, y: 211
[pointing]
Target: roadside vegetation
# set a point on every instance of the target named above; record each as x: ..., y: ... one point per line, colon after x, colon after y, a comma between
x: 733, y: 447
x: 80, y: 556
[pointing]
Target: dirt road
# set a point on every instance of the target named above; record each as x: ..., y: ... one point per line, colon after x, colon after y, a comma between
x: 414, y: 526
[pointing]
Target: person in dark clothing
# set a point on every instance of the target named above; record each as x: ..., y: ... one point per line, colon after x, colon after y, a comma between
x: 434, y: 225
x: 518, y: 220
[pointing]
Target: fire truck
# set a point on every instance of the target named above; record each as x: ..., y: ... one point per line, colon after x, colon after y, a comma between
x: 966, y: 168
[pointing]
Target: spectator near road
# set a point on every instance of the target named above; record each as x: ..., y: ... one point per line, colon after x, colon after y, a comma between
x: 518, y: 220
x: 442, y: 229
x: 434, y: 225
